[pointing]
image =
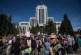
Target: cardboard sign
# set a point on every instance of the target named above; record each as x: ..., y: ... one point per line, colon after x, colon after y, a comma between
x: 27, y: 34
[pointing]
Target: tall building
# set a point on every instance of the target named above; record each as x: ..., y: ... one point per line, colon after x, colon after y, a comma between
x: 41, y: 14
x: 41, y: 18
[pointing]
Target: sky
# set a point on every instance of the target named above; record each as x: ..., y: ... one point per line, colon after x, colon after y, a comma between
x: 22, y: 10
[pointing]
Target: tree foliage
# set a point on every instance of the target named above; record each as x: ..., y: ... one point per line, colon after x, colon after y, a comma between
x: 50, y: 27
x: 35, y: 29
x: 66, y: 27
x: 6, y: 27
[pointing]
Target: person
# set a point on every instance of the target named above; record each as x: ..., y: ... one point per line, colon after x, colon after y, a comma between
x: 28, y: 41
x: 13, y: 41
x: 9, y: 47
x: 65, y: 44
x: 25, y: 50
x: 70, y: 40
x: 79, y: 41
x: 16, y: 45
x: 47, y: 45
x: 33, y: 43
x: 56, y: 48
x: 75, y: 46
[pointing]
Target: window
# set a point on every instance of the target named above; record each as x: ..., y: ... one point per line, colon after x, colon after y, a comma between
x: 24, y: 23
x: 41, y: 15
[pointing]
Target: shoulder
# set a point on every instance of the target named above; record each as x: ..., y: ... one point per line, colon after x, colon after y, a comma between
x: 58, y: 45
x: 50, y: 48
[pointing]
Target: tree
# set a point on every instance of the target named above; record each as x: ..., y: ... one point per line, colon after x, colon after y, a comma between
x: 6, y: 26
x: 50, y: 27
x: 35, y: 29
x: 62, y: 29
x: 66, y: 27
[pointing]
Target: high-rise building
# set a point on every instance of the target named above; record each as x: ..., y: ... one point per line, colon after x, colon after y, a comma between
x: 41, y: 14
x: 41, y: 18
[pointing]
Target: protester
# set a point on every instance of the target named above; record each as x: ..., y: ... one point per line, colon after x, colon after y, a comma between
x: 47, y: 45
x: 43, y: 45
x: 33, y: 43
x: 16, y: 45
x: 25, y: 49
x: 9, y: 47
x: 70, y: 40
x: 56, y: 48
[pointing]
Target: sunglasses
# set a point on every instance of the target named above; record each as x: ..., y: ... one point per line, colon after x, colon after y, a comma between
x: 52, y: 38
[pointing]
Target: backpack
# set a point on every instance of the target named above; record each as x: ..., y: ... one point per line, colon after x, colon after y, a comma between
x: 59, y: 50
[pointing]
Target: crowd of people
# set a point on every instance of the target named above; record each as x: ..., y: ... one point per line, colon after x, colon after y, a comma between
x: 47, y: 44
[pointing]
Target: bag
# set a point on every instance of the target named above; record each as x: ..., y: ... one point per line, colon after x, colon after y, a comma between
x: 59, y: 50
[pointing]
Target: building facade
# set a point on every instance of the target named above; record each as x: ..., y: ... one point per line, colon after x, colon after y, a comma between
x: 24, y: 27
x: 33, y: 21
x: 41, y: 18
x: 57, y: 26
x: 41, y: 14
